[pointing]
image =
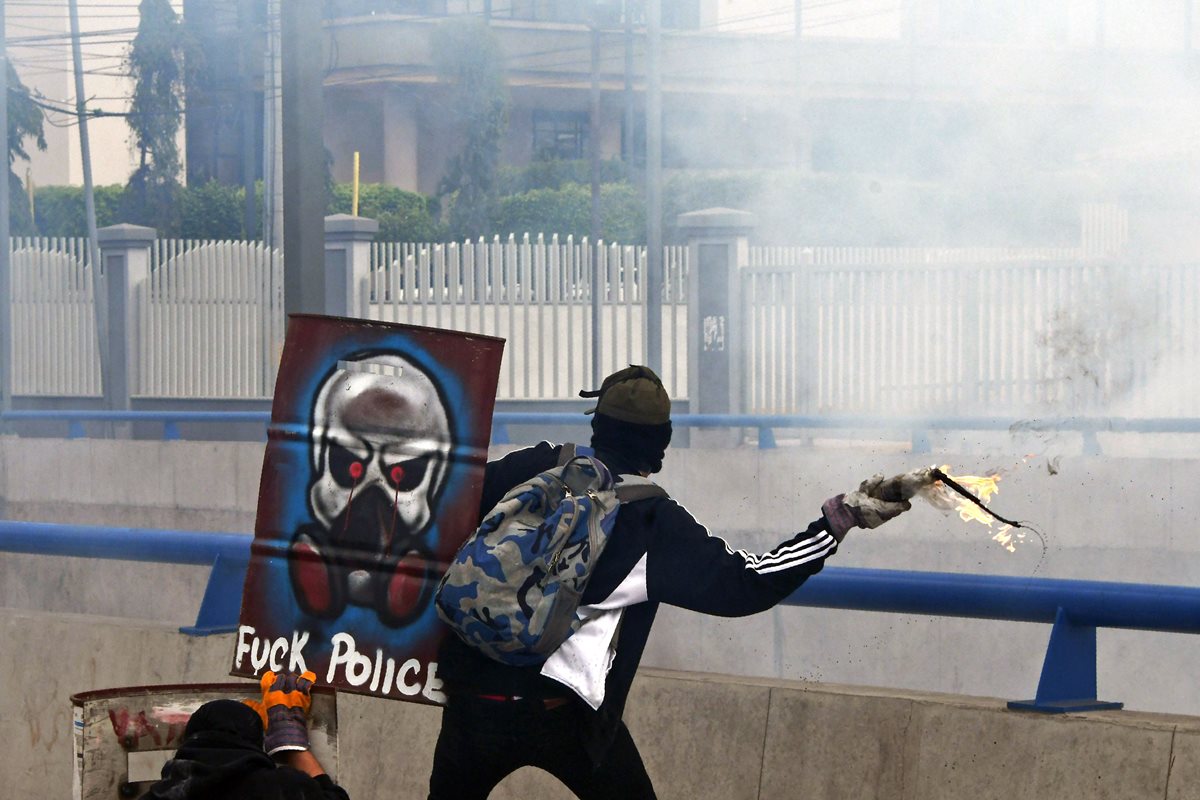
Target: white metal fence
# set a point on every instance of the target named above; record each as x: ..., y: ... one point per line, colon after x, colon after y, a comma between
x: 54, y: 347
x: 537, y: 294
x: 828, y: 330
x: 962, y: 332
x: 210, y: 320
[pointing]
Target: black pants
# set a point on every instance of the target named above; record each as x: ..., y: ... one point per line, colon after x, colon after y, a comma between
x: 484, y: 741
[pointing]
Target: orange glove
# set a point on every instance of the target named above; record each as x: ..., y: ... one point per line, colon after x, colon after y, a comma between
x: 284, y: 710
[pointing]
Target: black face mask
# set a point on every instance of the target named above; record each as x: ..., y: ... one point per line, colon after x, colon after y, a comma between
x: 635, y: 448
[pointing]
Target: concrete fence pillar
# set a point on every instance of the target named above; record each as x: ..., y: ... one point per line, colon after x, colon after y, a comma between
x: 125, y: 265
x: 347, y: 263
x: 717, y: 246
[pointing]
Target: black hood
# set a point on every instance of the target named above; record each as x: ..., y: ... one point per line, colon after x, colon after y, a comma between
x: 222, y: 744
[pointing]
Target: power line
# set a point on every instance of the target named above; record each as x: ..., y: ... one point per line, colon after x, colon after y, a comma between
x: 713, y: 28
x: 47, y: 54
x: 23, y: 40
x: 58, y: 4
x: 680, y: 46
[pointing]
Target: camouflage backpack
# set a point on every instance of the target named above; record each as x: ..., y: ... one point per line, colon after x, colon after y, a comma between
x: 512, y: 589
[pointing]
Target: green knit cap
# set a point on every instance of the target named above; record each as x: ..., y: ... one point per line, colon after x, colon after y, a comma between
x: 634, y: 394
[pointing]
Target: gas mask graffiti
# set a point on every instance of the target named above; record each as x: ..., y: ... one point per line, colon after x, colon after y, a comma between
x: 379, y: 458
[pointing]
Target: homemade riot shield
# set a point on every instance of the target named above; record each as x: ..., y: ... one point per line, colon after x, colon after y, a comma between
x: 371, y: 480
x: 123, y: 737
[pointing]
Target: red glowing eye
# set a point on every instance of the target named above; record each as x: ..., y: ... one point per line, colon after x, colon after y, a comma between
x: 397, y: 474
x: 356, y: 470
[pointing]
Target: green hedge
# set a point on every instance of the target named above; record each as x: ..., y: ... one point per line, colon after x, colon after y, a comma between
x: 402, y: 216
x: 59, y: 210
x: 214, y: 211
x: 790, y: 208
x: 558, y: 173
x: 568, y: 210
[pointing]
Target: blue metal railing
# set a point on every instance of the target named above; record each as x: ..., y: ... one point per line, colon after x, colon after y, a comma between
x: 227, y: 553
x: 170, y: 420
x: 916, y: 428
x: 1075, y: 607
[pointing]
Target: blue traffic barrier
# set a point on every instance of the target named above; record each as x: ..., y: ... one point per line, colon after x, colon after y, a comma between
x: 917, y: 429
x: 1075, y: 608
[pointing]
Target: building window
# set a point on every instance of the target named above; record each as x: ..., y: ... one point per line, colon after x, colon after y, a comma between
x: 559, y: 135
x: 980, y: 21
x: 537, y: 10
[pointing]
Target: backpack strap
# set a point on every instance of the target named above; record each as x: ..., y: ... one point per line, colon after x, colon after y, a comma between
x: 568, y: 450
x: 635, y: 487
x: 631, y: 487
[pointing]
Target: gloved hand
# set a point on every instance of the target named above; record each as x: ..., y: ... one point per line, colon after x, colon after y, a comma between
x: 898, y: 487
x: 876, y: 500
x: 284, y: 708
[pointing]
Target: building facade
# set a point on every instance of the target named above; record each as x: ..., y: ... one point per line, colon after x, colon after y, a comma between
x: 985, y: 96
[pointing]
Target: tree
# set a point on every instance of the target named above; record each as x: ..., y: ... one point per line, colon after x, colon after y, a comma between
x: 155, y: 63
x: 25, y: 121
x: 468, y: 58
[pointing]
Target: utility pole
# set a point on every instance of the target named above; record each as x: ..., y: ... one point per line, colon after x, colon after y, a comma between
x: 6, y: 298
x: 654, y: 235
x: 303, y: 159
x: 1188, y: 12
x: 246, y: 59
x: 100, y: 299
x: 85, y: 147
x: 801, y: 146
x: 598, y: 283
x: 627, y: 150
x: 272, y: 145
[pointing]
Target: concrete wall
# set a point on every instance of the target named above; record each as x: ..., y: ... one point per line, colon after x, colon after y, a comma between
x: 1124, y: 517
x: 702, y: 736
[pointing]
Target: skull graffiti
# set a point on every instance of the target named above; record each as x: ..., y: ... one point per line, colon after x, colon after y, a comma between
x: 379, y: 458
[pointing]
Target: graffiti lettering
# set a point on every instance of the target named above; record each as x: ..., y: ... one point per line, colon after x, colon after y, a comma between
x: 130, y: 729
x: 270, y: 654
x: 380, y: 674
x: 376, y: 673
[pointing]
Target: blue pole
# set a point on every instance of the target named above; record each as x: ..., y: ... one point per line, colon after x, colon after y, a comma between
x: 1104, y: 604
x: 129, y: 544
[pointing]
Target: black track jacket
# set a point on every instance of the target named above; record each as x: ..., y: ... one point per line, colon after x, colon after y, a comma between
x: 657, y: 553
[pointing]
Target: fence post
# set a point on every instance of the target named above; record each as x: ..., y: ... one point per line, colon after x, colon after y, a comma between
x: 125, y: 262
x: 347, y: 263
x: 717, y: 247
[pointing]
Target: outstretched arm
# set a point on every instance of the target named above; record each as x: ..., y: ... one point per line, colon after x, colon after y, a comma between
x: 689, y: 567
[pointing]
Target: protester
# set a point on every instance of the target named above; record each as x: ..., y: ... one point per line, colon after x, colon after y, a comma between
x: 499, y: 718
x: 225, y: 756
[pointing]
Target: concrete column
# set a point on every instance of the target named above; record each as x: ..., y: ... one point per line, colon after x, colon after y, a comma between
x: 401, y: 137
x: 717, y: 246
x: 303, y: 111
x: 125, y: 260
x: 347, y: 263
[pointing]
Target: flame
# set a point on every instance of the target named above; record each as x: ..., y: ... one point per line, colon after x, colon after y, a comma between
x: 984, y: 487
